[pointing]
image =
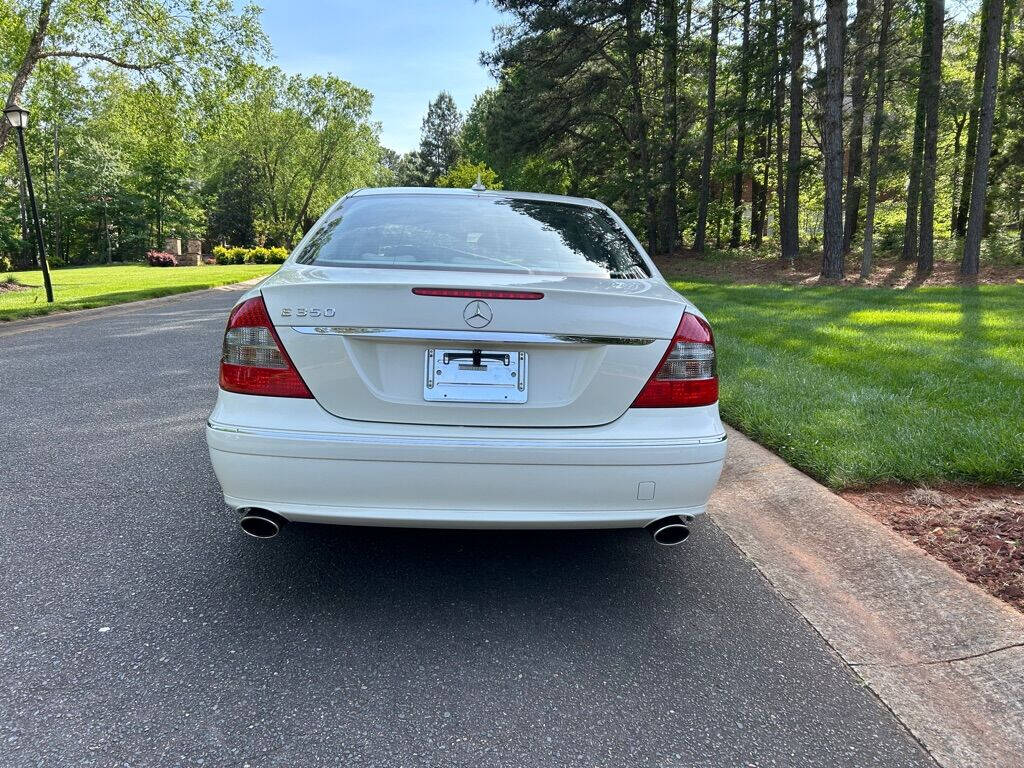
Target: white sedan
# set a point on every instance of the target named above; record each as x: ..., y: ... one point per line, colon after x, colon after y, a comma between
x: 467, y: 359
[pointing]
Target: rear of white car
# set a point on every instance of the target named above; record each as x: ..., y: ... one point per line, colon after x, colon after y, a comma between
x: 462, y: 359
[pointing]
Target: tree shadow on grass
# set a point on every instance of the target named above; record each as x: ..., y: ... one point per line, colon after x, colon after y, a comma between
x: 863, y: 367
x: 110, y: 298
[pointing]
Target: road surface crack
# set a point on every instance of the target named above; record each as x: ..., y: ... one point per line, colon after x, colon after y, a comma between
x: 971, y: 656
x: 951, y: 660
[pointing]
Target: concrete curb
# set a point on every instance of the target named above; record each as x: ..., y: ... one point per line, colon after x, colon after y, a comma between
x: 942, y: 654
x: 68, y: 317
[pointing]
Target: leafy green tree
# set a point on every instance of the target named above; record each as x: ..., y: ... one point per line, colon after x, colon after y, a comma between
x: 233, y: 190
x: 473, y: 144
x: 411, y: 171
x: 172, y: 39
x: 310, y: 140
x: 439, y: 143
x: 465, y: 174
x: 387, y: 167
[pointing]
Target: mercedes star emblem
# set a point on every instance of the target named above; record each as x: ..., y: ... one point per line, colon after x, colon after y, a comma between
x: 477, y: 314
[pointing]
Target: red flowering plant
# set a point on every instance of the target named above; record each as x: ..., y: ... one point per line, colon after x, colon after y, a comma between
x: 161, y: 259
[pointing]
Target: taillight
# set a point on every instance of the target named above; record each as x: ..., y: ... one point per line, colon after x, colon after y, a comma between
x: 686, y: 375
x: 254, y: 362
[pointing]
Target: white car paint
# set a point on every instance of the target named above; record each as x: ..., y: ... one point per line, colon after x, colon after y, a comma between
x: 370, y: 450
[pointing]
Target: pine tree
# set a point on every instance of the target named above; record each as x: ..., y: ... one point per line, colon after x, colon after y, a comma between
x: 986, y: 117
x: 439, y: 137
x: 832, y: 138
x: 858, y: 102
x: 741, y: 131
x: 791, y: 206
x: 876, y: 137
x: 704, y: 191
x: 926, y: 245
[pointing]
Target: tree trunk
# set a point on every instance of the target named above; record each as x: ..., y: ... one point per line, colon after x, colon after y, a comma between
x: 719, y: 209
x: 926, y: 246
x: 876, y: 138
x: 1019, y: 216
x: 758, y: 161
x: 791, y: 210
x: 314, y: 182
x: 28, y: 63
x: 832, y: 139
x: 704, y: 191
x: 759, y: 190
x: 741, y: 137
x: 979, y: 187
x: 56, y: 208
x: 966, y: 182
x: 910, y: 224
x: 669, y: 216
x: 638, y: 122
x: 858, y: 98
x: 997, y: 164
x: 778, y: 103
x: 954, y: 179
x: 28, y: 248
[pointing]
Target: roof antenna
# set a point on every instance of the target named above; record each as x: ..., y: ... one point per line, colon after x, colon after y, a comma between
x: 479, y: 186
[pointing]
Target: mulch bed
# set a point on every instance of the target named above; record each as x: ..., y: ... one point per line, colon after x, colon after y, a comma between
x: 9, y: 286
x: 889, y: 271
x: 978, y: 531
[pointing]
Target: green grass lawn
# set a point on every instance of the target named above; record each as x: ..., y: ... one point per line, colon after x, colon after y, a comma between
x: 862, y: 386
x: 85, y: 287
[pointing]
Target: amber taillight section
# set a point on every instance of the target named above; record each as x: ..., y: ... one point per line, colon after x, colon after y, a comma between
x: 686, y: 375
x: 254, y: 361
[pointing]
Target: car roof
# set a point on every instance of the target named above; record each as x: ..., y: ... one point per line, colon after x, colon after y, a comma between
x: 491, y: 193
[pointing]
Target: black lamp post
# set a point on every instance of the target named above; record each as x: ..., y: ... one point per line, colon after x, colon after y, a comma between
x: 17, y: 116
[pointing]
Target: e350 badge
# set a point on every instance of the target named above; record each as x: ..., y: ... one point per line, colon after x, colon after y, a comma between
x: 308, y: 312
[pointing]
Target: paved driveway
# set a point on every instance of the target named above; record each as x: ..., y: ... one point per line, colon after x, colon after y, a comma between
x: 139, y: 627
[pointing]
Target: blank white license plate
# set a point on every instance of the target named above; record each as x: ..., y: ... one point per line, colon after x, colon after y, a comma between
x: 475, y: 376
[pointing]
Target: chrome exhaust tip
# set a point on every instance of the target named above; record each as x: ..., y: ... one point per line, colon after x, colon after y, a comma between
x: 669, y: 531
x: 261, y: 523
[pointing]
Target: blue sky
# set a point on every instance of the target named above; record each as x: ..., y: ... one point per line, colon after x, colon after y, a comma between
x: 404, y: 51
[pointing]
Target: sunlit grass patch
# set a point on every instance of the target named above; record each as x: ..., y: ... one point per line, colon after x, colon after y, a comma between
x: 86, y: 287
x: 862, y: 386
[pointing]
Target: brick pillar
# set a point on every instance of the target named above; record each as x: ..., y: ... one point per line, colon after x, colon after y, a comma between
x: 193, y: 256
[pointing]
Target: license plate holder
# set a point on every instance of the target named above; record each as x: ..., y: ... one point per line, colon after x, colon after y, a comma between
x: 475, y: 376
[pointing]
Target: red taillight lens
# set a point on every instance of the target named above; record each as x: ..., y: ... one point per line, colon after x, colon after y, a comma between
x: 466, y: 293
x: 686, y: 375
x: 253, y: 361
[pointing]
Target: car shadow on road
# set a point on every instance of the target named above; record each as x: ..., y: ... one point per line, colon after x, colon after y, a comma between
x: 526, y: 556
x: 358, y: 574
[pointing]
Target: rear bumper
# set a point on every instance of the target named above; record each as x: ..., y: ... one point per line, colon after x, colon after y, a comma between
x: 297, y: 460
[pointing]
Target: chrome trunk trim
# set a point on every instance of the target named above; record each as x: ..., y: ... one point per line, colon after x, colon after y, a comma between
x: 417, y: 334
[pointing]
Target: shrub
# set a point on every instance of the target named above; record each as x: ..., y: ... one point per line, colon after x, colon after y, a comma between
x: 55, y: 262
x: 890, y: 237
x: 5, y: 263
x: 257, y: 255
x: 161, y: 259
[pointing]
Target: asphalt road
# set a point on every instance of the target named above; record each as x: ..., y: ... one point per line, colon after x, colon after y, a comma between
x: 139, y: 627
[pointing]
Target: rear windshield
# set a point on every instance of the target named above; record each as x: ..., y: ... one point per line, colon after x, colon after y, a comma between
x: 475, y: 233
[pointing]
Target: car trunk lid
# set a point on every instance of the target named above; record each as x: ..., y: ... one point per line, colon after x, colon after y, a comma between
x: 362, y: 339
